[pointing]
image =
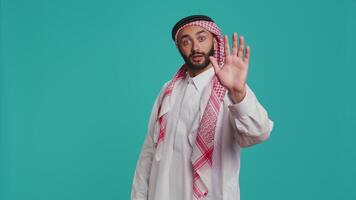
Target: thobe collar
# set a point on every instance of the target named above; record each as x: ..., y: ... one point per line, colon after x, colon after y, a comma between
x: 200, y: 82
x: 202, y: 79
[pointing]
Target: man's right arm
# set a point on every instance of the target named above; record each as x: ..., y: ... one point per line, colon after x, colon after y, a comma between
x: 143, y: 168
x: 140, y: 184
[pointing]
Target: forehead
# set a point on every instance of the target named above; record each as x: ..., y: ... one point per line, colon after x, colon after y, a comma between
x: 192, y: 31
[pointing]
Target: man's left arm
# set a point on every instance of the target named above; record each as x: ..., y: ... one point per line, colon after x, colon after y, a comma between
x: 249, y: 117
x: 250, y: 120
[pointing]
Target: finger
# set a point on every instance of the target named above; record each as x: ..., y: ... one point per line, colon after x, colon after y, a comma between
x: 234, y: 44
x: 247, y: 56
x: 215, y: 64
x: 227, y: 46
x: 240, y: 52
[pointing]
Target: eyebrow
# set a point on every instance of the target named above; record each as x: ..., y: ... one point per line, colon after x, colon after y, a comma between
x: 199, y: 32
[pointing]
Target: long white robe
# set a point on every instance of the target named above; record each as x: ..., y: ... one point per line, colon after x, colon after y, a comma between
x: 167, y: 174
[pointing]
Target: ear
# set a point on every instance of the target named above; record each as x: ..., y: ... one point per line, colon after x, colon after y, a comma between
x: 215, y: 43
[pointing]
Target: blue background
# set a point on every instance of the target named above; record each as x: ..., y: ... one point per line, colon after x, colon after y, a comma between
x: 78, y: 80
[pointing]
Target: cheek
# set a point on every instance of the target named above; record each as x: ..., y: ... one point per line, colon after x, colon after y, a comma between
x: 209, y: 44
x: 185, y: 51
x: 208, y: 47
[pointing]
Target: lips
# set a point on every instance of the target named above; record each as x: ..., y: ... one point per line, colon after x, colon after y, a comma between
x: 197, y: 57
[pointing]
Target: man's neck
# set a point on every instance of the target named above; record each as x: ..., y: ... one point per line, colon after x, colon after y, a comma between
x: 193, y: 73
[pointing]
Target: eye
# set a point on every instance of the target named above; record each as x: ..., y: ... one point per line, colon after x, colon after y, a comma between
x: 185, y: 42
x: 201, y: 38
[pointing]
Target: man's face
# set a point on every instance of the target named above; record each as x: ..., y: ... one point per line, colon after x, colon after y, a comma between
x: 195, y: 44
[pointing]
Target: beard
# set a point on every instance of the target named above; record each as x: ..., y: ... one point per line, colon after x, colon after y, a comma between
x: 204, y: 64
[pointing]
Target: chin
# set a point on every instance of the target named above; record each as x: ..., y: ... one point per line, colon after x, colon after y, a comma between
x: 197, y: 67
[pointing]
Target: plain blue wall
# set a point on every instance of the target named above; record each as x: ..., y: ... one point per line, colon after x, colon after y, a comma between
x: 78, y: 80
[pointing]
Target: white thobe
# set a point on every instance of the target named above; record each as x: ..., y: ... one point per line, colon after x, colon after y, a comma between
x: 167, y: 174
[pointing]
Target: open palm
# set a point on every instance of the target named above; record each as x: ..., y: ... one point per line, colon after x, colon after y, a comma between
x: 233, y: 74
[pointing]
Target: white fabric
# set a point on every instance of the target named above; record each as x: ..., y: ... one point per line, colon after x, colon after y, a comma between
x: 167, y: 174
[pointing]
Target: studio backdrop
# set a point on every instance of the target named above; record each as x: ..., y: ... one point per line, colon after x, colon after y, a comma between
x: 78, y: 80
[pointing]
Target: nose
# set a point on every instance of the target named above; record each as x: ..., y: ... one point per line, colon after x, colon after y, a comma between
x: 195, y: 47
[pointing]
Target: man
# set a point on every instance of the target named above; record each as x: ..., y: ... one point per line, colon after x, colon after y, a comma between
x: 200, y: 120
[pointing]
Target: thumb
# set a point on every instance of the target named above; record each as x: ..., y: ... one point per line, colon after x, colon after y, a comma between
x: 215, y: 64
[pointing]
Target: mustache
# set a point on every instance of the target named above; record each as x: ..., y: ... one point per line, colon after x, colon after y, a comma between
x: 196, y: 54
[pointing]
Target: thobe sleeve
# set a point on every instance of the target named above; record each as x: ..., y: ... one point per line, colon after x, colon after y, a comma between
x: 250, y: 120
x: 141, y: 178
x: 143, y: 168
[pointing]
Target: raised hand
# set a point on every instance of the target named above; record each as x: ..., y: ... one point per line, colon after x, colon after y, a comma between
x: 233, y: 74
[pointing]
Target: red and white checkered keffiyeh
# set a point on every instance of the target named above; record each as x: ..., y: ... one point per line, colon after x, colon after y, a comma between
x: 204, y: 144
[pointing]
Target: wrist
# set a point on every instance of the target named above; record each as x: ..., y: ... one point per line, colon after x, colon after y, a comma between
x: 237, y: 95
